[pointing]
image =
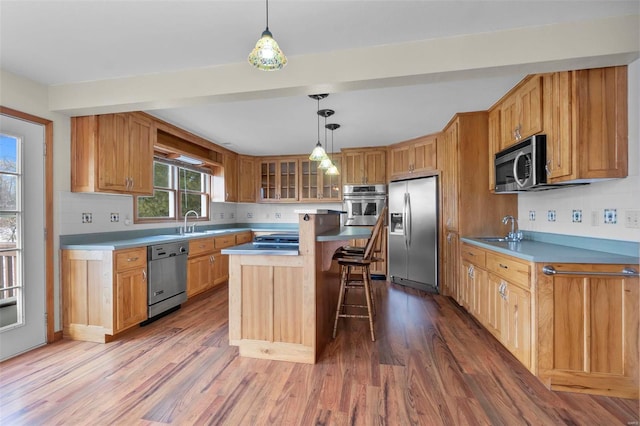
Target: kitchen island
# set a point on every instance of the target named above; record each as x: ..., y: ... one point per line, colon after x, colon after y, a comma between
x: 281, y: 306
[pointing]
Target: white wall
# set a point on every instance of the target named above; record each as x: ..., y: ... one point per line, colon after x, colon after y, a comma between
x: 32, y: 98
x: 620, y: 195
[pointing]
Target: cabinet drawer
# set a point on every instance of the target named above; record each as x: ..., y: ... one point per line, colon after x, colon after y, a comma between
x: 514, y: 270
x: 131, y: 258
x: 225, y: 241
x: 243, y: 237
x: 201, y: 245
x: 472, y: 254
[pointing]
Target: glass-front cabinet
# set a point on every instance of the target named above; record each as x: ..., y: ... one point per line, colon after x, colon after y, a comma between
x: 316, y: 185
x: 278, y: 179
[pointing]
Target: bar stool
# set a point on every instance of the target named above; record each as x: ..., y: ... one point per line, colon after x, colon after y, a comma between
x: 361, y: 258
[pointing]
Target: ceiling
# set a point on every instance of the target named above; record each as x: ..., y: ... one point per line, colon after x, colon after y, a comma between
x: 70, y: 43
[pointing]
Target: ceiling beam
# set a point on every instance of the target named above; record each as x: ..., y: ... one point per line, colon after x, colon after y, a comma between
x: 585, y: 44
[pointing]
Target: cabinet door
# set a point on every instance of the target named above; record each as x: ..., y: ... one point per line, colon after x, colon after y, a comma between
x: 130, y: 298
x: 399, y: 161
x: 515, y: 330
x: 375, y: 167
x: 288, y: 180
x: 199, y: 274
x: 220, y: 268
x: 494, y: 306
x: 450, y: 178
x: 424, y: 155
x: 509, y: 119
x: 113, y: 152
x: 557, y: 116
x: 268, y: 184
x: 231, y: 177
x: 481, y: 295
x: 353, y: 167
x: 588, y: 330
x: 309, y: 173
x: 331, y: 185
x: 530, y: 107
x: 449, y: 274
x: 140, y: 155
x: 494, y: 145
x: 246, y: 180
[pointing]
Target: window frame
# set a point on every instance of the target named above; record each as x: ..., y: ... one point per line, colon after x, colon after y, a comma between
x: 177, y: 194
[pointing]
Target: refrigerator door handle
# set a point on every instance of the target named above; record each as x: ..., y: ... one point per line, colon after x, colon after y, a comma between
x: 408, y: 220
x: 404, y: 221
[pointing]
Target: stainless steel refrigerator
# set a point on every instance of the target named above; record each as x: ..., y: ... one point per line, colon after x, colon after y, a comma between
x: 413, y: 233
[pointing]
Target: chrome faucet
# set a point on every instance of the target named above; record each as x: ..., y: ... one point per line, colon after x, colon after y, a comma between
x: 186, y: 216
x: 515, y: 234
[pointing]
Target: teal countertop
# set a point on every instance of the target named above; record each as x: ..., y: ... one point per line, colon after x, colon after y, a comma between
x: 345, y: 233
x: 544, y: 249
x: 249, y: 248
x: 139, y: 238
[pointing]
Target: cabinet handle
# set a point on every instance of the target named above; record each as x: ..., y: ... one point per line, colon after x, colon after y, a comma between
x: 546, y: 168
x: 626, y: 272
x: 132, y: 183
x: 503, y: 266
x: 132, y: 259
x: 212, y: 258
x: 144, y: 275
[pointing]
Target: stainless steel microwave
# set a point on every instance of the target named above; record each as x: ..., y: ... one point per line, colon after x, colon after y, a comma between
x: 521, y: 167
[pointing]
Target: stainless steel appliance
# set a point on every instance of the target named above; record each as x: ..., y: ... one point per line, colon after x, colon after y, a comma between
x: 521, y: 167
x: 363, y: 203
x: 277, y: 240
x: 413, y: 233
x: 167, y: 281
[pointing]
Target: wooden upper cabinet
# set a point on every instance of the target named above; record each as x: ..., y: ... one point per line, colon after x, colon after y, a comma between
x: 494, y: 139
x: 521, y: 112
x: 588, y: 124
x: 112, y: 153
x: 278, y: 179
x: 246, y: 179
x: 366, y: 165
x: 315, y: 185
x: 231, y: 177
x: 414, y: 157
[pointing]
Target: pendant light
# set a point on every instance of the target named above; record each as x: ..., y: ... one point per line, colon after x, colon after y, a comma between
x: 325, y: 163
x: 318, y: 153
x: 267, y: 55
x: 333, y: 170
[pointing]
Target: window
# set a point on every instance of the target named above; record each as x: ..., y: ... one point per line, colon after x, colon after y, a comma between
x: 176, y: 190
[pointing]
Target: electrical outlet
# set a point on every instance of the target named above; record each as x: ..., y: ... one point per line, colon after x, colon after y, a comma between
x: 87, y: 218
x: 610, y: 216
x: 232, y: 215
x: 632, y: 219
x: 532, y: 215
x: 249, y: 215
x: 576, y: 216
x: 595, y: 218
x: 551, y: 215
x: 278, y: 215
x: 115, y: 217
x: 221, y: 215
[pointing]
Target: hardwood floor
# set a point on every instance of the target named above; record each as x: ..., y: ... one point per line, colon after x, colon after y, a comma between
x: 432, y: 364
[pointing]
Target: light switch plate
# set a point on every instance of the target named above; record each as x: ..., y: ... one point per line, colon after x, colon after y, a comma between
x: 87, y: 218
x: 532, y: 215
x: 632, y: 219
x: 551, y: 215
x: 576, y: 216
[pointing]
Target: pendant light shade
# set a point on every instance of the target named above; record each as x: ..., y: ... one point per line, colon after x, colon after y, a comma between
x: 332, y: 170
x: 325, y: 163
x: 267, y: 55
x: 318, y: 153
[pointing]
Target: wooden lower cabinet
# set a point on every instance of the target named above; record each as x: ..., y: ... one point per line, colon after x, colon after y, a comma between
x: 206, y: 266
x: 379, y: 252
x: 588, y: 330
x: 104, y: 292
x: 576, y: 332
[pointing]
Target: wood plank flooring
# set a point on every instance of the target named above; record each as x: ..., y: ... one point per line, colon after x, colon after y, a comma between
x: 432, y: 364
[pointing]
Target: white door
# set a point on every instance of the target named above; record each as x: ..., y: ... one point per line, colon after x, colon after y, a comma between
x: 22, y: 239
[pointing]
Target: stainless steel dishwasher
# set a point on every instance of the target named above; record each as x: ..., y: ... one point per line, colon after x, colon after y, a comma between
x: 167, y: 283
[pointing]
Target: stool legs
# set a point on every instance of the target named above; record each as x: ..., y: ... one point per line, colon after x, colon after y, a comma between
x: 366, y: 287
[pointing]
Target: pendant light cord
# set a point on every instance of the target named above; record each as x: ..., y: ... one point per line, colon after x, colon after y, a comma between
x: 318, y: 115
x: 267, y: 15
